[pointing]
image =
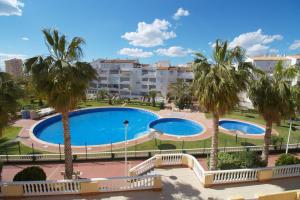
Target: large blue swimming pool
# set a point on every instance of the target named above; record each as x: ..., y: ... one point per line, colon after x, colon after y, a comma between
x: 97, y: 126
x: 105, y: 126
x: 176, y: 126
x: 244, y: 127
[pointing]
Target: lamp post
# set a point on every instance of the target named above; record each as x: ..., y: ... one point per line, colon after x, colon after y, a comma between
x: 288, y: 139
x: 126, y: 122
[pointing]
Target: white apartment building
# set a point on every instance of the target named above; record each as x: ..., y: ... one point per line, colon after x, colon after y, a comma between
x: 131, y: 79
x: 267, y: 64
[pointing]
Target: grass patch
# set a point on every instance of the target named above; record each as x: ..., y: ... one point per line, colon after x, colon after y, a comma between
x: 225, y: 140
x: 133, y: 104
x: 10, y: 146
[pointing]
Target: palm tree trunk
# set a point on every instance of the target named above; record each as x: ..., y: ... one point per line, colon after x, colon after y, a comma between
x: 267, y: 140
x: 214, y: 143
x: 67, y: 146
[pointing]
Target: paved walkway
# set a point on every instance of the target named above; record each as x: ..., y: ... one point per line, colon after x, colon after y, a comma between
x: 181, y: 183
x: 97, y: 169
x: 93, y: 169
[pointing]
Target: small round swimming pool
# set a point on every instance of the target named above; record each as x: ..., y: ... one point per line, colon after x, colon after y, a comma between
x: 176, y: 126
x: 244, y: 127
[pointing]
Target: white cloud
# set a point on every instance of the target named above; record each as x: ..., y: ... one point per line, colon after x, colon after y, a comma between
x: 181, y: 13
x: 6, y: 56
x: 255, y: 43
x: 135, y: 52
x: 25, y: 38
x: 150, y: 35
x: 295, y: 45
x: 11, y: 7
x: 174, y: 51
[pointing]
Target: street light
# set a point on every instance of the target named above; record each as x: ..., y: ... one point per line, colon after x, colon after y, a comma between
x: 126, y: 122
x: 288, y: 140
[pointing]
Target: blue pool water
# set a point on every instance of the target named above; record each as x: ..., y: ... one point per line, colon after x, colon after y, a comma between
x: 241, y: 126
x: 97, y: 126
x: 176, y: 126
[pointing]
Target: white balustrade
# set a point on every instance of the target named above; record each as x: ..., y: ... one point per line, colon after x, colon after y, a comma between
x: 286, y: 171
x: 144, y: 167
x: 126, y: 183
x: 171, y: 159
x: 32, y: 188
x: 232, y: 176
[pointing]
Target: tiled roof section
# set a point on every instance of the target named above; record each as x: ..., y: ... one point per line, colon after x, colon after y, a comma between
x: 275, y: 58
x: 119, y: 61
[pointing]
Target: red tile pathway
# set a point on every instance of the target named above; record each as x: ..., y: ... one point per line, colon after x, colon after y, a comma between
x: 96, y: 169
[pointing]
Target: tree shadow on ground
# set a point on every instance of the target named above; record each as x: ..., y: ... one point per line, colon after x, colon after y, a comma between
x: 284, y: 183
x: 250, y: 116
x: 166, y: 146
x: 6, y: 146
x: 247, y: 144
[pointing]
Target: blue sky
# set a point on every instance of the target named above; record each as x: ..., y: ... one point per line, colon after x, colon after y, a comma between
x: 151, y: 30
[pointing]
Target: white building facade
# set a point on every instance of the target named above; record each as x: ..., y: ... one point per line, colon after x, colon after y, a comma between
x: 267, y: 64
x: 131, y: 79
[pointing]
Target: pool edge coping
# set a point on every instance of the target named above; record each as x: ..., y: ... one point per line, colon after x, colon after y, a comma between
x: 37, y: 140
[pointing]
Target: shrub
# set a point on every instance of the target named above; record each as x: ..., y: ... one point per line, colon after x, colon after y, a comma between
x: 33, y: 173
x: 227, y: 161
x: 287, y: 159
x: 276, y: 140
x: 239, y: 160
x: 162, y: 105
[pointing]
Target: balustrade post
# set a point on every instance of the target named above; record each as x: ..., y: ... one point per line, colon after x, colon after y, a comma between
x: 208, y: 180
x: 89, y: 187
x: 59, y: 152
x: 6, y: 152
x: 264, y: 175
x: 19, y: 147
x: 33, y: 153
x: 85, y: 151
x: 12, y: 190
x: 157, y: 186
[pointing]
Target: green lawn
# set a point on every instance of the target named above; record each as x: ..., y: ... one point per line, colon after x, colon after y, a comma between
x: 283, y: 129
x: 225, y: 140
x: 134, y: 104
x: 9, y: 147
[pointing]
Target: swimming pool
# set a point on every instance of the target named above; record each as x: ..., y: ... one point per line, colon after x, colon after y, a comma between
x: 244, y: 127
x: 177, y: 126
x: 96, y: 126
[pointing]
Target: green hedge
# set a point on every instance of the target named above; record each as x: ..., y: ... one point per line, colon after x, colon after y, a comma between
x: 287, y: 159
x: 239, y: 160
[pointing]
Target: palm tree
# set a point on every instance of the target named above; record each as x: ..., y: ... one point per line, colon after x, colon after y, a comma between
x: 181, y: 92
x: 272, y: 95
x: 152, y: 95
x: 178, y: 88
x: 9, y: 93
x: 101, y: 94
x: 62, y: 79
x: 217, y: 85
